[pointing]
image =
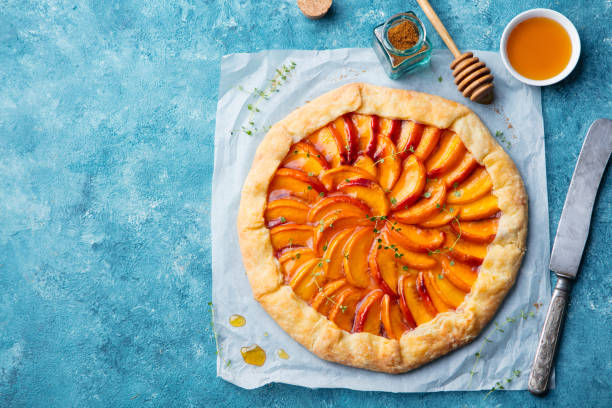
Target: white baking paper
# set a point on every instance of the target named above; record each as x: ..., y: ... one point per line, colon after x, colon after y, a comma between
x: 516, y: 112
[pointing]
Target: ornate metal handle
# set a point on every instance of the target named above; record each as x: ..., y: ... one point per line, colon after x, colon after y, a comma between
x: 543, y: 361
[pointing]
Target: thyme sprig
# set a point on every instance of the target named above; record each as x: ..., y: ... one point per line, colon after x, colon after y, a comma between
x: 500, y: 384
x: 392, y: 155
x: 498, y: 328
x: 500, y: 136
x: 282, y: 75
x: 212, y: 324
x: 320, y: 289
x: 455, y: 220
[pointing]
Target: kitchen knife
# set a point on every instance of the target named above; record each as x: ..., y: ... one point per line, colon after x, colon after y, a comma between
x: 569, y: 244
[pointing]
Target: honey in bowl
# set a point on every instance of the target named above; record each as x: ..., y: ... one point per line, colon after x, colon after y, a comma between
x: 539, y: 48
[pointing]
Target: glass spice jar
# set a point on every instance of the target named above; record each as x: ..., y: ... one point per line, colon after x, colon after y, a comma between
x: 396, y: 62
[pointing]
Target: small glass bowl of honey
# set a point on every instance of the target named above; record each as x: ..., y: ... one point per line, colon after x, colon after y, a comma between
x: 540, y: 47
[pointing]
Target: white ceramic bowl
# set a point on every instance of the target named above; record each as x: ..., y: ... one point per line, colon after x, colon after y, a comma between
x: 553, y: 15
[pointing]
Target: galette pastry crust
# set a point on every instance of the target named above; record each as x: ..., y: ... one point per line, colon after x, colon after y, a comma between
x: 428, y: 341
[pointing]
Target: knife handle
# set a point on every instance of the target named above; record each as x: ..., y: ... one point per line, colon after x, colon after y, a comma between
x: 547, y: 347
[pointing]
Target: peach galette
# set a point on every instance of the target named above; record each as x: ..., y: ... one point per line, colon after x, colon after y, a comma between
x: 381, y: 228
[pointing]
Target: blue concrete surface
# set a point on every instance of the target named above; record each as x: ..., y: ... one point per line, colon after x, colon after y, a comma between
x: 107, y: 113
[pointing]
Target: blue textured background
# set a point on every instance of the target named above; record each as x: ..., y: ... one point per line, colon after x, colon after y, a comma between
x: 106, y: 150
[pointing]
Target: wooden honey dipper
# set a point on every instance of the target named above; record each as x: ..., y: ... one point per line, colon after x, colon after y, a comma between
x: 472, y: 76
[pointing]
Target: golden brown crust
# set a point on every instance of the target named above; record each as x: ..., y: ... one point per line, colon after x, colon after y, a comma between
x: 446, y: 331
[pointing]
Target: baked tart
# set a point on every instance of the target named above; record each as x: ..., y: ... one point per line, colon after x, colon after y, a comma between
x: 381, y: 228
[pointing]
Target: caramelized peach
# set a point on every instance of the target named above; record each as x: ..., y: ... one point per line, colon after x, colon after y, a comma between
x: 434, y: 292
x: 415, y: 260
x: 392, y: 318
x: 307, y: 279
x: 463, y: 250
x: 343, y: 312
x: 479, y: 209
x: 441, y: 218
x: 304, y: 157
x: 410, y: 185
x: 345, y: 128
x: 356, y: 257
x: 369, y: 192
x: 477, y: 185
x: 414, y: 238
x: 291, y: 182
x: 334, y: 254
x: 286, y: 210
x: 431, y: 201
x: 367, y: 317
x: 384, y: 268
x: 324, y: 300
x: 415, y: 304
x: 478, y: 231
x: 460, y: 170
x: 428, y: 142
x: 329, y: 226
x: 291, y: 235
x: 389, y: 128
x: 450, y: 151
x: 424, y: 294
x: 335, y: 204
x: 461, y: 275
x: 449, y: 293
x: 409, y: 138
x: 292, y: 259
x: 366, y: 163
x: 367, y: 128
x: 325, y: 141
x: 331, y: 178
x: 387, y: 163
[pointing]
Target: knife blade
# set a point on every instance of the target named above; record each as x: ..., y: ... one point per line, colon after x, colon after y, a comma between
x: 570, y: 240
x: 575, y: 219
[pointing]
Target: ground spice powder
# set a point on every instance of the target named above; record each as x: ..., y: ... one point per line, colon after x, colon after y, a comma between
x: 403, y: 36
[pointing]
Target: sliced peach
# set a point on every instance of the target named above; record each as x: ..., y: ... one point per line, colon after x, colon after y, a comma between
x: 460, y: 171
x: 343, y: 312
x: 387, y: 163
x: 331, y: 178
x: 409, y: 138
x: 417, y: 260
x: 441, y: 218
x: 367, y: 129
x: 291, y: 182
x: 482, y: 208
x: 463, y: 250
x: 392, y: 318
x: 429, y: 141
x: 291, y: 235
x: 367, y: 317
x: 389, y: 128
x: 345, y: 128
x: 335, y: 204
x: 292, y: 259
x: 450, y: 151
x: 329, y: 226
x: 356, y: 257
x: 415, y: 238
x: 413, y: 300
x: 410, y: 185
x: 324, y: 300
x: 286, y: 210
x: 435, y: 294
x: 460, y: 274
x: 424, y: 294
x: 384, y: 268
x: 305, y: 157
x: 369, y: 192
x: 325, y: 141
x: 449, y: 293
x: 307, y: 280
x: 478, y: 231
x: 477, y: 185
x: 431, y: 201
x: 334, y: 254
x: 366, y: 163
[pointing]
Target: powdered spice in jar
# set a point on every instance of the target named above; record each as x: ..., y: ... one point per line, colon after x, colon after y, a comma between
x: 404, y: 35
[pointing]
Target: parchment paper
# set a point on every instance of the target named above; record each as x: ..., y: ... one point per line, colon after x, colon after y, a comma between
x: 516, y: 112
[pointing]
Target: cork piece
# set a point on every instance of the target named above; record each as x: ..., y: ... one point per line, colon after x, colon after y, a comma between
x: 314, y: 9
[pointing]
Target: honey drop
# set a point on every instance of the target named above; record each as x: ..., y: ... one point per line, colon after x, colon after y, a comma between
x: 237, y: 320
x: 282, y: 354
x: 253, y: 355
